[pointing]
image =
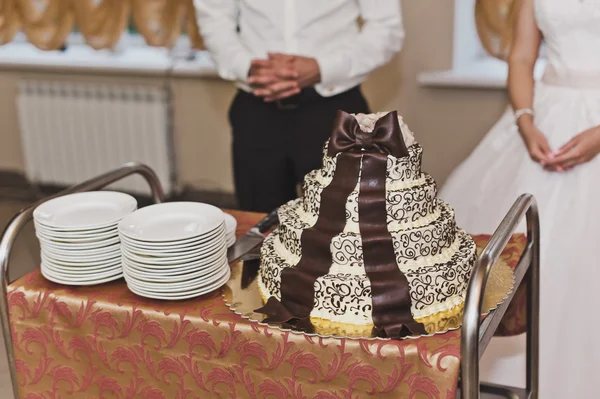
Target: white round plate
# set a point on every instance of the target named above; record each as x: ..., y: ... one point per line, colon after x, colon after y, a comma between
x: 76, y: 239
x: 185, y: 295
x: 177, y: 285
x: 230, y: 223
x: 166, y: 264
x: 178, y: 263
x: 175, y: 259
x: 171, y: 221
x: 81, y: 265
x: 93, y: 209
x: 84, y: 274
x: 83, y: 260
x: 79, y: 246
x: 172, y: 256
x: 174, y: 245
x: 173, y: 269
x: 74, y: 254
x: 96, y: 259
x: 59, y: 280
x: 79, y: 270
x: 192, y: 282
x: 173, y: 274
x: 168, y: 290
x: 77, y: 259
x: 161, y: 281
x: 76, y: 233
x: 168, y: 251
x: 78, y: 277
x: 177, y: 243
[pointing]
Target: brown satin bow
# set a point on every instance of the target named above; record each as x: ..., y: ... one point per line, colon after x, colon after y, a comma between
x: 385, y: 138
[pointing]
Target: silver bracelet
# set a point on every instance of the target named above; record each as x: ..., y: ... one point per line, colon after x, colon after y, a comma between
x: 523, y: 111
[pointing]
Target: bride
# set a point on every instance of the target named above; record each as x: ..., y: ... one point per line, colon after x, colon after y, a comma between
x: 547, y: 145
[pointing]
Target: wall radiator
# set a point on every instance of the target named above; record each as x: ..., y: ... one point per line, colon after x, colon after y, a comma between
x: 74, y: 131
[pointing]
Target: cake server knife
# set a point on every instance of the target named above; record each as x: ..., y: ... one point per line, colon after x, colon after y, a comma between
x: 253, y: 238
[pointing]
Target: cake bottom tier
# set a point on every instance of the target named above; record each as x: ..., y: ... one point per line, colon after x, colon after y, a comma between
x: 442, y: 321
x: 343, y: 300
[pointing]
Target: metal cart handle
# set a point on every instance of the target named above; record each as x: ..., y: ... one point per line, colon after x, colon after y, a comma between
x: 20, y: 220
x: 475, y: 334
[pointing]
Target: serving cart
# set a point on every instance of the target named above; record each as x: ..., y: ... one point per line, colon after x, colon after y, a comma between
x: 475, y: 334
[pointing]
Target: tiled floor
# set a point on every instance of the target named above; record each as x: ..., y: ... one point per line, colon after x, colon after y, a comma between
x: 25, y: 258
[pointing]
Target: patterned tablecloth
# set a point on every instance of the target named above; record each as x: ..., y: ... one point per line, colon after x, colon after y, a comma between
x: 106, y: 342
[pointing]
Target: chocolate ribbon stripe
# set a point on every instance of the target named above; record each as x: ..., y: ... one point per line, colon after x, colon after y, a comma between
x: 389, y: 286
x: 297, y: 283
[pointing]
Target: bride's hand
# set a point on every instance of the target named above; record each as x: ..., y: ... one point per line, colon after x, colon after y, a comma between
x: 580, y: 149
x: 537, y: 145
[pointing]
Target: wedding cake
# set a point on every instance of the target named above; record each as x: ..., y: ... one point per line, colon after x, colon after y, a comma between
x: 369, y: 245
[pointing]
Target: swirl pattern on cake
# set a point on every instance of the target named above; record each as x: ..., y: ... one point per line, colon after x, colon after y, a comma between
x: 434, y: 255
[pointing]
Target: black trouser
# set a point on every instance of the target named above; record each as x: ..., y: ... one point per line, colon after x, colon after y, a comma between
x: 276, y: 144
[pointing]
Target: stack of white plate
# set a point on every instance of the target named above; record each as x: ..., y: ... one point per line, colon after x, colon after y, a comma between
x: 174, y: 251
x: 79, y: 237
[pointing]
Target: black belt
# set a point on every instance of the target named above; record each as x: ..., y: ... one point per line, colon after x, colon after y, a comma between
x: 307, y: 95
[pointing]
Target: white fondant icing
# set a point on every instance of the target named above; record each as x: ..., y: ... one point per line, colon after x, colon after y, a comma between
x: 427, y: 236
x: 398, y: 169
x: 435, y: 256
x: 435, y: 287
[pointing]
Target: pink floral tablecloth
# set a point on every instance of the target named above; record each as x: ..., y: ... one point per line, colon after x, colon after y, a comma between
x: 106, y: 342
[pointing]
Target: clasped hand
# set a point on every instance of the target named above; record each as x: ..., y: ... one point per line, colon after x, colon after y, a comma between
x: 580, y: 149
x: 281, y: 76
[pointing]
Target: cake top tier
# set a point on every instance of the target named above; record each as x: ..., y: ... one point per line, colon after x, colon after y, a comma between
x: 367, y: 123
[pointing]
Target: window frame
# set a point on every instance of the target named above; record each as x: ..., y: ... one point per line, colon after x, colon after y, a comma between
x: 467, y: 48
x: 130, y: 56
x: 472, y: 66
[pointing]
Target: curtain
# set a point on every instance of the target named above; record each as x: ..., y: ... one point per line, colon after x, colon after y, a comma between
x: 9, y: 22
x: 192, y: 28
x: 101, y: 22
x: 159, y: 21
x: 495, y: 21
x: 48, y: 23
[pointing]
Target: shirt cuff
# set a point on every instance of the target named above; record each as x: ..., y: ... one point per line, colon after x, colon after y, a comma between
x: 333, y: 68
x: 238, y: 69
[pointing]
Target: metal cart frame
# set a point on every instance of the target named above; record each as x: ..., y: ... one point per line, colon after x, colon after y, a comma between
x: 475, y: 335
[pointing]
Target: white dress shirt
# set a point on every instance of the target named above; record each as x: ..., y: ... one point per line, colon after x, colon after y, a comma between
x: 326, y: 30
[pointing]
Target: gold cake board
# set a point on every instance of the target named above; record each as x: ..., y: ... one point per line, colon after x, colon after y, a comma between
x: 242, y: 296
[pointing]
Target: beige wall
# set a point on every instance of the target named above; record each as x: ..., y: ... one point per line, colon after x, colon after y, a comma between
x: 447, y: 122
x: 11, y: 156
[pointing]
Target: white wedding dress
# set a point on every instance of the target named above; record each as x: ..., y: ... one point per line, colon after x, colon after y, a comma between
x: 485, y: 185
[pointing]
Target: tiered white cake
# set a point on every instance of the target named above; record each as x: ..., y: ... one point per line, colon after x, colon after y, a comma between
x: 435, y: 256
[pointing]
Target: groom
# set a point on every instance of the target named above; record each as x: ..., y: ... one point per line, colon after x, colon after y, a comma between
x: 295, y: 62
